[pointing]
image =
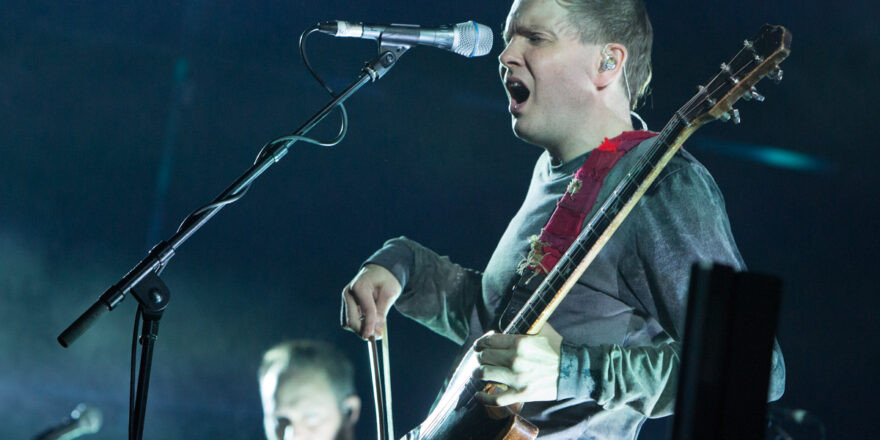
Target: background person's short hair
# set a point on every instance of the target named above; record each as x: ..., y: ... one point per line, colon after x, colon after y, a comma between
x: 290, y: 358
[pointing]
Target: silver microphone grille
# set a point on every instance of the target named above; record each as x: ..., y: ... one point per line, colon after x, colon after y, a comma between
x: 472, y: 39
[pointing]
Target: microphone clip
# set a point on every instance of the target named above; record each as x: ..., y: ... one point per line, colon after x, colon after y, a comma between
x: 389, y: 53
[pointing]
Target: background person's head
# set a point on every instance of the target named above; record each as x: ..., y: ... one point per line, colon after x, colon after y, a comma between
x: 307, y: 390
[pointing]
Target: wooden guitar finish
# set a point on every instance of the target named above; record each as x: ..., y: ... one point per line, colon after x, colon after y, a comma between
x: 458, y: 415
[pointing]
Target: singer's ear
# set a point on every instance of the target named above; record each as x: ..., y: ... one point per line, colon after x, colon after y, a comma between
x: 607, y: 73
x: 351, y: 410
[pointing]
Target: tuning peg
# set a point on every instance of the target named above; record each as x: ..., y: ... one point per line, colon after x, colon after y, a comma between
x: 732, y: 115
x: 775, y: 75
x: 753, y: 94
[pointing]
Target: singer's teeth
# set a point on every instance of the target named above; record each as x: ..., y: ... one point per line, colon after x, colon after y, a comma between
x: 519, y: 92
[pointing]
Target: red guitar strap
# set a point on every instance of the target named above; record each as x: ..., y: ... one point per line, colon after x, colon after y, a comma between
x: 567, y: 220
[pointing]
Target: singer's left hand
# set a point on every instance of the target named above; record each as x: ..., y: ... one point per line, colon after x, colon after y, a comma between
x: 527, y: 365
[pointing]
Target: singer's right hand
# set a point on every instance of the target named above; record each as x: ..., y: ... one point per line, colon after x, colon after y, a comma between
x: 367, y: 299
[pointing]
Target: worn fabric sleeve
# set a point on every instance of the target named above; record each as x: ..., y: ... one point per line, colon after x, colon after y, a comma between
x: 641, y: 377
x: 680, y: 220
x: 437, y: 293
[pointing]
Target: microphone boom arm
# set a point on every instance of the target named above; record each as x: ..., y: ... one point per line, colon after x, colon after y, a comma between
x: 143, y: 279
x: 161, y: 254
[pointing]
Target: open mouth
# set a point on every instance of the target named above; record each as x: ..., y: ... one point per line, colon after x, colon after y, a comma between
x: 518, y: 92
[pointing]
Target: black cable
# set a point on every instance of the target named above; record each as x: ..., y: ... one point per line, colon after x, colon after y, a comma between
x: 231, y: 199
x: 302, y: 53
x: 305, y: 58
x: 284, y: 141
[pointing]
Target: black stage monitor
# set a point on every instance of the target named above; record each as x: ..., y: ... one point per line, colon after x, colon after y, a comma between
x: 726, y: 355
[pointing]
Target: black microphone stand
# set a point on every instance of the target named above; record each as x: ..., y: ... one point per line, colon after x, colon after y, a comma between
x: 143, y: 279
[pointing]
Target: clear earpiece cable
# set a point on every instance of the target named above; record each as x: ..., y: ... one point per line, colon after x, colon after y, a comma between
x: 641, y: 121
x: 629, y: 96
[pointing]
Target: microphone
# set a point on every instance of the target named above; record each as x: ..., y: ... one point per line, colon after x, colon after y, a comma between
x: 83, y: 420
x: 470, y: 38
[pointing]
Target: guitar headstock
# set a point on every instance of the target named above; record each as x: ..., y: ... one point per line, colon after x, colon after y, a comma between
x: 759, y: 58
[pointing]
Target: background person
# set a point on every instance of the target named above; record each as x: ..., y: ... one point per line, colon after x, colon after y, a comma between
x: 307, y: 390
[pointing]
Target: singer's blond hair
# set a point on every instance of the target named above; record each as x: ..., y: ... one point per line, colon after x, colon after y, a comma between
x: 617, y: 21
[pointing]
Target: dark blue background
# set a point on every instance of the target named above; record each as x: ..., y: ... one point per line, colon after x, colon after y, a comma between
x: 99, y: 100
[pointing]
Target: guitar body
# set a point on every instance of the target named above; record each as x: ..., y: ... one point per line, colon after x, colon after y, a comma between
x: 475, y: 422
x: 458, y: 415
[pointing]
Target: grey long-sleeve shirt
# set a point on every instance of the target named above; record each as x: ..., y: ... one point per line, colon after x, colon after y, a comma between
x: 621, y: 324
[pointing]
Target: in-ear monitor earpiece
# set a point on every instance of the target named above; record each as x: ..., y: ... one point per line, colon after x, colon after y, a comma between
x: 608, y: 60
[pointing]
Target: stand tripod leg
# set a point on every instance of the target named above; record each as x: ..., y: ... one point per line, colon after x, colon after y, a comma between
x: 149, y: 334
x: 152, y: 295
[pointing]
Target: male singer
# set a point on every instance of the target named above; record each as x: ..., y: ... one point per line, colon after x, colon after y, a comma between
x: 608, y: 359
